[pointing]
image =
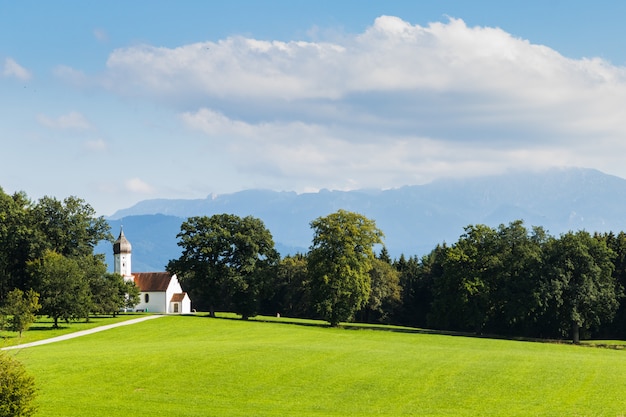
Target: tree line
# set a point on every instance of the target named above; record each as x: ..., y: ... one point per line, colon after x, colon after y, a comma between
x: 507, y: 280
x: 518, y: 282
x: 47, y: 264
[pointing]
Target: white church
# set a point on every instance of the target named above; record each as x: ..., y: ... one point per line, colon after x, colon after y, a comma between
x: 160, y: 292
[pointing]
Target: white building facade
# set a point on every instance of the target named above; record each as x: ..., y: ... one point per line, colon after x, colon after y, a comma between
x: 160, y: 292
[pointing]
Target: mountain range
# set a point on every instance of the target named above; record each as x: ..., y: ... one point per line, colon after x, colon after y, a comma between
x: 414, y: 218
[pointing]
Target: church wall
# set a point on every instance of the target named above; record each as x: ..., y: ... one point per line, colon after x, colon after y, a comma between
x: 186, y: 305
x: 156, y: 302
x: 173, y: 288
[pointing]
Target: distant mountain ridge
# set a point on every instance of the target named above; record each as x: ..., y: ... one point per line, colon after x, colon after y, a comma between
x: 414, y: 218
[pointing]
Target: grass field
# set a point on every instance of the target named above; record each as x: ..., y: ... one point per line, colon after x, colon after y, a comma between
x: 43, y: 328
x: 197, y: 366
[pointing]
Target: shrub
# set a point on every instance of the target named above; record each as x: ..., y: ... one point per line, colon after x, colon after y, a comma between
x: 17, y: 389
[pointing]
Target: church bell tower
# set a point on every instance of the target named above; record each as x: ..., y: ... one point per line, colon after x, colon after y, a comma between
x: 121, y: 256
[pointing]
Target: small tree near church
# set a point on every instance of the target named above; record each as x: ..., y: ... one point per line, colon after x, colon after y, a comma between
x: 20, y: 309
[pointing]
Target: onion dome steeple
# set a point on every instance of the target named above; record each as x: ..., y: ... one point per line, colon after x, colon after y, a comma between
x: 121, y: 256
x: 121, y: 245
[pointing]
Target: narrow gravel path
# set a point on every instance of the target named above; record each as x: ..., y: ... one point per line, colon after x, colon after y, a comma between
x: 80, y: 333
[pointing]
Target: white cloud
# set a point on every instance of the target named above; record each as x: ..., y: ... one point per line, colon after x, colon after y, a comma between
x: 73, y: 120
x: 281, y: 69
x: 137, y: 185
x: 394, y: 105
x: 13, y: 69
x: 391, y: 55
x: 71, y: 76
x: 296, y: 155
x: 214, y: 123
x: 394, y: 72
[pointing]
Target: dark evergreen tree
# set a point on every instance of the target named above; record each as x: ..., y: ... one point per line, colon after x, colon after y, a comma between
x: 416, y: 281
x: 429, y: 269
x: 293, y: 293
x: 384, y: 255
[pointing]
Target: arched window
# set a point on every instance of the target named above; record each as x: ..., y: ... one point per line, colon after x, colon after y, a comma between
x: 147, y: 298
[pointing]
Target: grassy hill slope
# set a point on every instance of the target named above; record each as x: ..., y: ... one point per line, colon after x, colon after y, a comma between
x: 197, y: 366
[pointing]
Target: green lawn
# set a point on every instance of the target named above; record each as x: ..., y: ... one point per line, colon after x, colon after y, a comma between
x: 197, y: 366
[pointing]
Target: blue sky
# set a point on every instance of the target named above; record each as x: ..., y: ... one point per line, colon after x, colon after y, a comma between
x: 117, y: 102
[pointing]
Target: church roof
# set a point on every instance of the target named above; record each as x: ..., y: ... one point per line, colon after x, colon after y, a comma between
x: 152, y: 281
x: 178, y: 297
x: 121, y: 245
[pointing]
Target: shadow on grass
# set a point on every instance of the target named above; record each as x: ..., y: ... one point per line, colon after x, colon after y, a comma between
x: 346, y: 326
x: 46, y: 328
x: 402, y: 329
x: 44, y: 325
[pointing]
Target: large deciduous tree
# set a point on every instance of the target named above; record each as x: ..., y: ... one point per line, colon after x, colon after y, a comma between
x: 17, y: 236
x: 462, y: 293
x: 489, y: 280
x: 515, y: 282
x: 110, y: 293
x: 226, y: 258
x: 617, y: 243
x: 339, y: 262
x: 385, y: 292
x: 69, y: 227
x: 65, y: 292
x: 28, y: 229
x: 94, y: 270
x: 580, y: 288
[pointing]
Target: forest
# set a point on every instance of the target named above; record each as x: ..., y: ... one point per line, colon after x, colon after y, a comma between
x: 506, y: 281
x: 48, y: 266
